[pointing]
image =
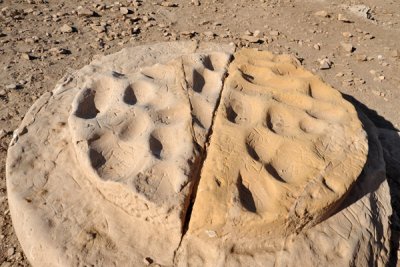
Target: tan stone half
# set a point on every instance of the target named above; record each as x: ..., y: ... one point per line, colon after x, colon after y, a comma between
x: 101, y: 170
x: 285, y: 152
x: 172, y: 154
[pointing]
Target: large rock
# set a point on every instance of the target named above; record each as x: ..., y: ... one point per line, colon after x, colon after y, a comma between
x: 286, y: 150
x: 151, y: 156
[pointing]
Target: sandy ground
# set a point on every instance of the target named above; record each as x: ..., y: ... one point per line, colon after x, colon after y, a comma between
x: 356, y: 51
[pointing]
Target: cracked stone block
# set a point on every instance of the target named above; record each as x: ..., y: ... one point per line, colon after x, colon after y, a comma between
x: 188, y: 154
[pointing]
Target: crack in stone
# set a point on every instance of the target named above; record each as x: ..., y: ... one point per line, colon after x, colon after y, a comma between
x: 198, y: 164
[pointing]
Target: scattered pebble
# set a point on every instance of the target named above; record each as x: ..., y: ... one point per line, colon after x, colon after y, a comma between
x: 256, y: 33
x: 342, y: 18
x: 85, y: 12
x: 169, y: 4
x: 59, y: 51
x: 361, y: 57
x: 322, y: 13
x: 325, y: 64
x: 395, y: 53
x: 98, y: 28
x: 125, y: 10
x: 378, y: 93
x: 66, y: 29
x: 347, y: 34
x: 369, y: 36
x: 339, y: 74
x: 10, y: 251
x: 274, y: 33
x: 27, y: 56
x: 347, y: 47
x: 359, y: 81
x: 12, y: 86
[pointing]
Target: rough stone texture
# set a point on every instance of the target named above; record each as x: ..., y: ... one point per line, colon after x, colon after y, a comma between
x: 285, y: 150
x: 103, y: 171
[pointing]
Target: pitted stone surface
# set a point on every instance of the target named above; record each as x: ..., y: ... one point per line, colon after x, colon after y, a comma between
x: 104, y: 170
x: 285, y: 149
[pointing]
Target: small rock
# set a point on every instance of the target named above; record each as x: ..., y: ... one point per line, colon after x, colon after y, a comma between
x: 359, y: 81
x: 347, y: 47
x: 12, y: 86
x: 347, y: 34
x: 325, y: 64
x: 27, y: 56
x: 10, y: 252
x: 369, y: 36
x: 3, y: 93
x: 32, y: 40
x: 317, y: 46
x: 196, y: 2
x: 98, y: 28
x: 378, y: 93
x: 342, y: 18
x: 274, y: 33
x: 395, y: 53
x: 125, y: 10
x: 169, y: 4
x: 256, y: 33
x: 59, y: 51
x: 85, y: 12
x: 66, y: 29
x: 339, y: 74
x: 322, y: 13
x: 361, y: 57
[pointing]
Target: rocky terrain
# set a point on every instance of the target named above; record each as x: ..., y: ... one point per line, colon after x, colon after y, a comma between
x: 353, y: 45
